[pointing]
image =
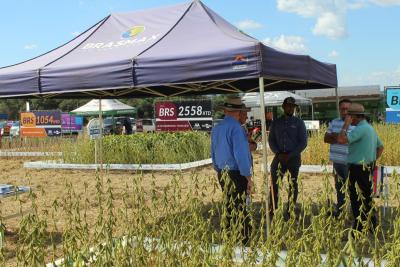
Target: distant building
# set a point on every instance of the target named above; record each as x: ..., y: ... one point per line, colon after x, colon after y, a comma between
x: 324, y: 100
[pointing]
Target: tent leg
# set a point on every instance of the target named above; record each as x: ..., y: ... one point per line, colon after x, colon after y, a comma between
x: 101, y: 135
x: 264, y: 152
x: 312, y: 111
x: 337, y: 102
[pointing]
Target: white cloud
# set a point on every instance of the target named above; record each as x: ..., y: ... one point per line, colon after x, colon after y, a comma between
x: 30, y: 46
x: 248, y: 24
x: 75, y: 33
x: 330, y: 15
x: 330, y: 25
x: 333, y: 53
x: 381, y: 77
x: 386, y: 2
x: 357, y: 4
x: 290, y: 43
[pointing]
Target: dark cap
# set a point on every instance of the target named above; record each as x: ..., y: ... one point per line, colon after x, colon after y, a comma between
x: 289, y: 100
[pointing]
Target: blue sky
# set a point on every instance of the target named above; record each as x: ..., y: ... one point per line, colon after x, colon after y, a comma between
x: 361, y: 36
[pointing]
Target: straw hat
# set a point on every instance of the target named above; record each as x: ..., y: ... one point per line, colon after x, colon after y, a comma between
x: 234, y: 103
x: 356, y: 109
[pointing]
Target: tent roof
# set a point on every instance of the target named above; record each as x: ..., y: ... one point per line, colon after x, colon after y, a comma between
x: 274, y: 98
x: 109, y: 107
x: 168, y: 51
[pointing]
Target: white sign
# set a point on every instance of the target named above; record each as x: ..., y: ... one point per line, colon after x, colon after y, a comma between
x: 312, y: 125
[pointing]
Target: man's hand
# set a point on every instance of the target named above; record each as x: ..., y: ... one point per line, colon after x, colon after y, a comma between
x: 283, y: 157
x: 347, y: 121
x: 330, y: 138
x: 250, y: 185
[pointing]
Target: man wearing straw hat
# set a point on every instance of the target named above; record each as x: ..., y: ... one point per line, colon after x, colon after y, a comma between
x: 365, y: 148
x: 287, y: 139
x: 231, y: 159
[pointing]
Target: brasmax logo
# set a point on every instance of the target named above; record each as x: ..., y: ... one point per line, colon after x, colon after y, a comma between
x: 131, y: 37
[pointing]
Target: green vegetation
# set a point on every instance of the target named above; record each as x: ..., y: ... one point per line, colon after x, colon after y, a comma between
x: 317, y: 152
x: 144, y: 148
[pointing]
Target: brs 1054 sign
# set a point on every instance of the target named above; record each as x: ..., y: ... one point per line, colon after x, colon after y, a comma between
x: 40, y: 123
x: 183, y: 115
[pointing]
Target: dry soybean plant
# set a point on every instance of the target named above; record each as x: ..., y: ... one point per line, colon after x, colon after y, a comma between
x: 181, y: 223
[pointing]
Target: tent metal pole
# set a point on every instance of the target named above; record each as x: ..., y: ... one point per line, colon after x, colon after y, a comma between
x: 101, y: 135
x: 264, y: 152
x: 312, y: 110
x: 337, y: 102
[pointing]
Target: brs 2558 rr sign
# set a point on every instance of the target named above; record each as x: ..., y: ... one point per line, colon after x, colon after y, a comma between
x: 40, y: 123
x: 185, y: 115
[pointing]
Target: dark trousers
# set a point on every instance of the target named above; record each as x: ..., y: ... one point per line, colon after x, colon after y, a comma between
x: 278, y: 170
x: 234, y: 187
x: 361, y: 205
x: 341, y: 172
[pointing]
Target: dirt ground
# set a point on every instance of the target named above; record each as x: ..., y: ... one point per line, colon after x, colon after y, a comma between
x: 49, y: 185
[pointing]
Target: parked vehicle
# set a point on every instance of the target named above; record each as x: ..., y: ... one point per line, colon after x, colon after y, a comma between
x: 112, y: 125
x: 5, y: 127
x: 145, y: 125
x: 14, y: 130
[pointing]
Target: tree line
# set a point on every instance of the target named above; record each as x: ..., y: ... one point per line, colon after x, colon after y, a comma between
x: 144, y: 106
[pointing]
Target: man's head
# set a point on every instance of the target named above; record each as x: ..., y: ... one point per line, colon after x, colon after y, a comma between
x: 234, y: 107
x: 344, y: 106
x: 242, y: 116
x: 357, y: 113
x: 289, y: 105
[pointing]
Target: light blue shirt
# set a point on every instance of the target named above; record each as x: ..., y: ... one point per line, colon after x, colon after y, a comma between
x: 338, y: 152
x: 230, y: 148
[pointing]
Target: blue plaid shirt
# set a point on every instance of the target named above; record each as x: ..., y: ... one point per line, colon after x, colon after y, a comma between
x: 338, y: 152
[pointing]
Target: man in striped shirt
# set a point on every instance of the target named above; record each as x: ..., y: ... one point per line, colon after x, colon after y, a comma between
x: 338, y: 153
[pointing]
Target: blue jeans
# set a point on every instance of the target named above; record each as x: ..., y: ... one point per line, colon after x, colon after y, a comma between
x: 341, y: 172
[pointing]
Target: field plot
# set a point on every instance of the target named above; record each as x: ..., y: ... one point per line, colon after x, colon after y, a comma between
x: 70, y: 212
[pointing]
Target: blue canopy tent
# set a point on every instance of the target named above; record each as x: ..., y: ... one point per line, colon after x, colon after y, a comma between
x: 176, y: 50
x: 184, y: 49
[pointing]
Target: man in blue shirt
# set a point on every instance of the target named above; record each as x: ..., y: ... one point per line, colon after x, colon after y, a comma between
x: 287, y: 139
x: 231, y: 159
x: 338, y: 153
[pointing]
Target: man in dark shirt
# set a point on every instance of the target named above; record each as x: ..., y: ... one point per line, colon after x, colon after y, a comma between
x: 287, y: 139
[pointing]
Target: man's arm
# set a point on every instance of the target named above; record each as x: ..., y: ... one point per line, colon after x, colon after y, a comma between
x: 213, y: 141
x: 302, y: 139
x: 379, y: 152
x: 379, y: 149
x: 241, y: 152
x: 330, y: 137
x: 342, y: 137
x: 272, y: 139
